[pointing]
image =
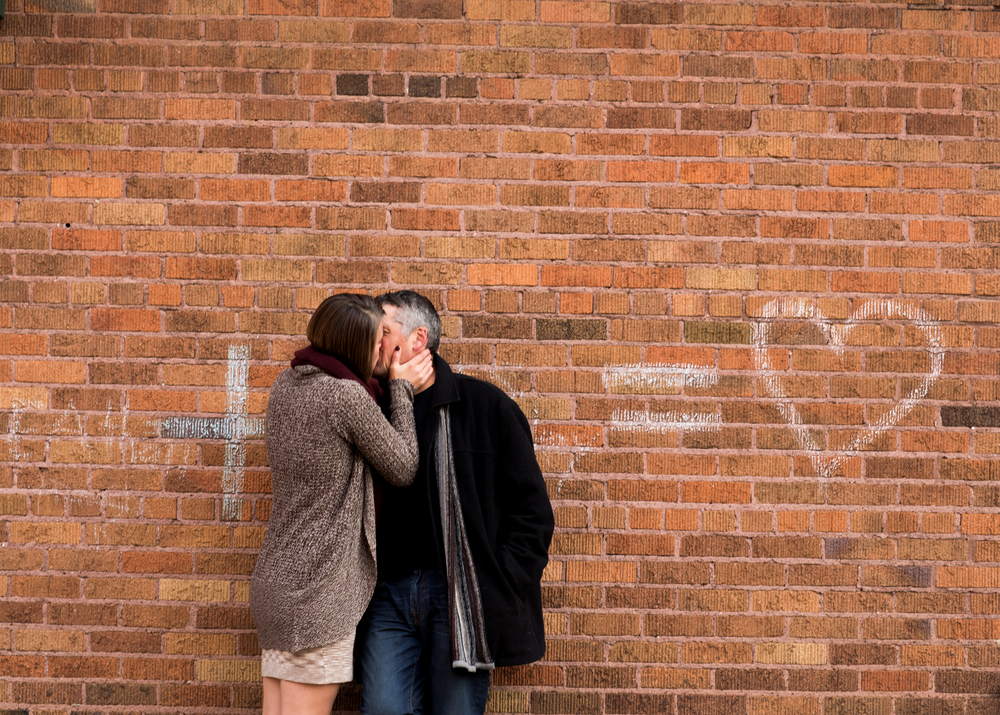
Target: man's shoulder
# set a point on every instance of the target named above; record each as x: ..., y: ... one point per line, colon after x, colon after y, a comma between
x: 477, y: 390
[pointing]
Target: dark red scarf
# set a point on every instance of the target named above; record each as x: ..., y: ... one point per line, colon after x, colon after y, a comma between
x: 337, y: 366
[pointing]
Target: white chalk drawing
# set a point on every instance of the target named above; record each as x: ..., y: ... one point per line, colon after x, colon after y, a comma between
x: 663, y: 422
x: 173, y: 447
x: 237, y: 378
x: 16, y: 451
x: 236, y: 427
x: 837, y: 335
x: 634, y: 379
x: 658, y: 379
x: 640, y: 381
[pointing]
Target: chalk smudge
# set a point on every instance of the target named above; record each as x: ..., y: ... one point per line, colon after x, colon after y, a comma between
x: 652, y: 380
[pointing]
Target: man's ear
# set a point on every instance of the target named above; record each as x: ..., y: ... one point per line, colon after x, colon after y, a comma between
x: 419, y: 336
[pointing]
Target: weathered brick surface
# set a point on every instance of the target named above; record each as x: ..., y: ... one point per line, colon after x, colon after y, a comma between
x: 736, y: 262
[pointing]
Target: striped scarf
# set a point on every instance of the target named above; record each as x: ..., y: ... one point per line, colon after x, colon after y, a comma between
x: 468, y: 629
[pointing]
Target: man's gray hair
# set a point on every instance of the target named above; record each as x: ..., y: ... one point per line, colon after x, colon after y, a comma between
x: 414, y: 311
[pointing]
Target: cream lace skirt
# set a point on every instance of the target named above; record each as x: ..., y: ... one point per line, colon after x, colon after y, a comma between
x: 333, y: 663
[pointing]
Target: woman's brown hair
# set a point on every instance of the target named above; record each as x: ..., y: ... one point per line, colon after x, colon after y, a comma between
x: 347, y: 325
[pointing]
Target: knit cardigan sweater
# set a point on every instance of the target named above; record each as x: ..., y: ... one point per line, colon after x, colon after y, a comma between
x: 316, y: 570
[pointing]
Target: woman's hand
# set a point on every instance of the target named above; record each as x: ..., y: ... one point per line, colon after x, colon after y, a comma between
x: 419, y: 369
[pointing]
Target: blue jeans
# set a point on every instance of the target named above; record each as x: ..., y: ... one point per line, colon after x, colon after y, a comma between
x: 405, y: 653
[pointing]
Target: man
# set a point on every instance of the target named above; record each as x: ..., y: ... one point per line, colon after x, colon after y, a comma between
x: 461, y: 551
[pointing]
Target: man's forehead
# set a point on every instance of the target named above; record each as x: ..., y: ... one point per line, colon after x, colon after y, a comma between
x: 389, y: 319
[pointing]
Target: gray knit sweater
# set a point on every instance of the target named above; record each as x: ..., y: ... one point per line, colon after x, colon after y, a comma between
x: 316, y: 571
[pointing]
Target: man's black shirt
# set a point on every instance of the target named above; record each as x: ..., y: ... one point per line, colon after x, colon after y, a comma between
x: 406, y: 526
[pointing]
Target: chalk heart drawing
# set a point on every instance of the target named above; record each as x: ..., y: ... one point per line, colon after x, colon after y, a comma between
x: 838, y: 337
x: 661, y: 378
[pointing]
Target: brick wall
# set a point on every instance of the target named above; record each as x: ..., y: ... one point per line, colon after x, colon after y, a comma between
x: 737, y: 262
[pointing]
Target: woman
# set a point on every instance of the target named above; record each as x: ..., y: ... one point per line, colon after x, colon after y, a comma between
x: 316, y: 569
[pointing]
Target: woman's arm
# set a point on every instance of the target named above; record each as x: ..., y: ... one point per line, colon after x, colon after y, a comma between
x: 391, y: 448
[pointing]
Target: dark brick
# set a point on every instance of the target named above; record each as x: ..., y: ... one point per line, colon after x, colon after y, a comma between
x: 352, y: 84
x: 750, y: 679
x: 730, y: 333
x: 113, y: 373
x: 705, y: 66
x: 982, y: 706
x: 116, y: 694
x: 247, y: 644
x: 658, y: 572
x: 572, y: 330
x: 970, y: 416
x: 277, y: 83
x: 385, y: 192
x: 636, y: 704
x: 14, y: 291
x: 639, y: 117
x: 352, y: 112
x: 865, y: 16
x: 843, y: 681
x: 82, y: 613
x: 728, y: 546
x: 475, y: 326
x: 466, y: 87
x: 21, y: 612
x: 908, y: 575
x: 39, y: 265
x: 424, y: 86
x: 580, y: 703
x: 931, y: 706
x: 940, y: 125
x: 86, y: 398
x: 224, y: 618
x: 428, y: 9
x: 48, y: 693
x: 711, y: 705
x: 649, y: 14
x: 719, y: 439
x: 786, y: 547
x: 857, y: 706
x: 227, y: 564
x: 899, y: 467
x: 124, y: 642
x: 202, y: 215
x: 862, y: 654
x: 352, y: 272
x: 140, y: 187
x: 715, y: 120
x: 269, y: 163
x: 959, y: 681
x: 26, y: 26
x: 201, y: 696
x: 239, y: 82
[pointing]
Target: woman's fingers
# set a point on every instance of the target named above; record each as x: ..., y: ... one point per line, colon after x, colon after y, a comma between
x: 417, y: 370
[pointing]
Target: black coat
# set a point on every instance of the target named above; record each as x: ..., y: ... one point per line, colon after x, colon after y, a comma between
x: 505, y: 507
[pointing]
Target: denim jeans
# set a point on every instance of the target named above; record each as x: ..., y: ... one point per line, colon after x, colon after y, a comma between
x: 405, y: 653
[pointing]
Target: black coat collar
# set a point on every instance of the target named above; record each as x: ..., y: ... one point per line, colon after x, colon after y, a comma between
x: 445, y: 383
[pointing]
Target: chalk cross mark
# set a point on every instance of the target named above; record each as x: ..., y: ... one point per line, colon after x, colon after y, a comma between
x: 235, y: 427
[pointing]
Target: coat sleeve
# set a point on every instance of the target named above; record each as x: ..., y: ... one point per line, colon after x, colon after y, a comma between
x: 526, y: 521
x: 390, y: 447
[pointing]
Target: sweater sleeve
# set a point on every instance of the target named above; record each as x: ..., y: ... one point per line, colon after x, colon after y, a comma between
x: 390, y: 447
